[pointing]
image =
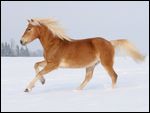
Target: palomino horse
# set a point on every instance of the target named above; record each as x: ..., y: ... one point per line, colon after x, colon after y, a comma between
x: 62, y: 51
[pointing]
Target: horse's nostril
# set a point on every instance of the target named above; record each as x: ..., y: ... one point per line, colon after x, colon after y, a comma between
x: 21, y: 41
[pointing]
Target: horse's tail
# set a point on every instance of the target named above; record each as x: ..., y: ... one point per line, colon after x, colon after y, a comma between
x: 127, y: 48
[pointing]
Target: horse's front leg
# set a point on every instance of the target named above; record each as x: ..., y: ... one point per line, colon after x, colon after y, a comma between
x: 48, y: 68
x: 37, y: 66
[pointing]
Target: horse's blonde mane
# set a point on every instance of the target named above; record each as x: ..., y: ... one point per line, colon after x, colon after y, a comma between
x: 54, y: 27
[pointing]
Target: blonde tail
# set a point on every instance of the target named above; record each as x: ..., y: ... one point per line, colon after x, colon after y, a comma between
x: 128, y: 48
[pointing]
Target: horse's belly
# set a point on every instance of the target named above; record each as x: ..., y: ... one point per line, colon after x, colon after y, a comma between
x: 77, y: 64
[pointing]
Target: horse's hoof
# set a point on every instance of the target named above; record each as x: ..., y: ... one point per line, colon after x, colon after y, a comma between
x: 26, y: 90
x: 43, y: 81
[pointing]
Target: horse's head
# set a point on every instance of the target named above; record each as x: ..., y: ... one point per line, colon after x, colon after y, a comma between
x: 31, y: 32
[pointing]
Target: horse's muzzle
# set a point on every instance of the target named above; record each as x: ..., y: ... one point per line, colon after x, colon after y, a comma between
x: 22, y: 43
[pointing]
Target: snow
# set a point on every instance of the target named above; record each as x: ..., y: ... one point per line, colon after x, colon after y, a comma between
x: 131, y: 93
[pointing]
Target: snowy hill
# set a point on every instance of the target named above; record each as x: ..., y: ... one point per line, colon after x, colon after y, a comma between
x: 131, y: 93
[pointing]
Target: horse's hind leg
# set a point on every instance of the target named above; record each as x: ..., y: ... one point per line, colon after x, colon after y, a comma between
x: 89, y: 74
x: 107, y: 60
x: 112, y: 74
x: 108, y: 65
x: 36, y: 66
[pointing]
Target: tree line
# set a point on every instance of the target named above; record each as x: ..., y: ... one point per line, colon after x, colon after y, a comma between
x: 13, y: 50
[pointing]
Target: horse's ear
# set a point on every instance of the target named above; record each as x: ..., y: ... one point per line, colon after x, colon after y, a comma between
x: 28, y: 21
x: 34, y: 22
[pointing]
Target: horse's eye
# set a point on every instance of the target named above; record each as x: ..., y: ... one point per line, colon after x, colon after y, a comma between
x: 29, y: 29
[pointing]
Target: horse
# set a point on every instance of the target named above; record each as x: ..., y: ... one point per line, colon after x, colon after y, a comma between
x: 61, y: 51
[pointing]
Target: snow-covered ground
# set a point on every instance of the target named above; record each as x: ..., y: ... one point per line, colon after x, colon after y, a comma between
x: 131, y: 93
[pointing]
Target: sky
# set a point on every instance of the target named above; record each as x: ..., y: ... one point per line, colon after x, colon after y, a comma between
x: 80, y: 19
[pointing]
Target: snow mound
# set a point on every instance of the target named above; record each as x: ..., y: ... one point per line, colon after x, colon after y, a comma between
x: 131, y: 93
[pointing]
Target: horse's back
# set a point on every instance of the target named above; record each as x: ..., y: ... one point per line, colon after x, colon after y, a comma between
x: 98, y: 44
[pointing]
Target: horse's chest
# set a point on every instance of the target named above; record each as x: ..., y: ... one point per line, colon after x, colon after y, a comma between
x: 64, y: 64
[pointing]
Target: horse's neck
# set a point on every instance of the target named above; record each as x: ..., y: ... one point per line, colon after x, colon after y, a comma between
x: 49, y: 42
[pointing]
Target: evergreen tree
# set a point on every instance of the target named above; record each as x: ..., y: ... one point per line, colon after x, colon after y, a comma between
x: 2, y: 49
x: 11, y: 49
x: 12, y: 46
x: 27, y: 52
x: 17, y: 50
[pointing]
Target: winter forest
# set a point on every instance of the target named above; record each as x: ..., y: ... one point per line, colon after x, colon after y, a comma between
x: 11, y: 49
